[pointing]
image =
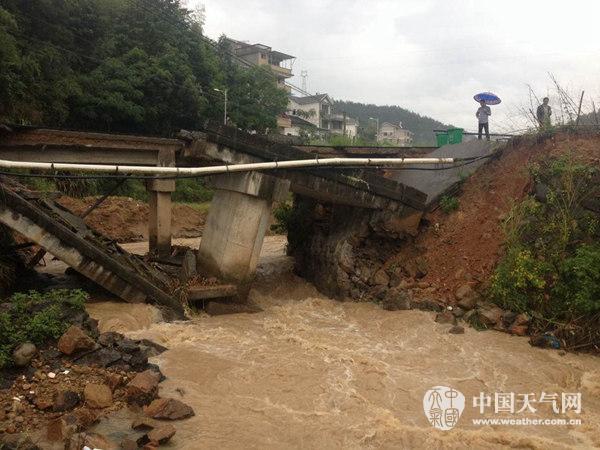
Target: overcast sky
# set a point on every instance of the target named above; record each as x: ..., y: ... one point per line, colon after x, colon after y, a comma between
x: 430, y: 56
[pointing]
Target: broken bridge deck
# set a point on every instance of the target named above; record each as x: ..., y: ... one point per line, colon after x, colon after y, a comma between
x: 64, y: 235
x: 365, y: 190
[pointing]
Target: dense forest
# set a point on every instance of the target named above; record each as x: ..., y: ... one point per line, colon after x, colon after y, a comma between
x: 138, y: 66
x: 421, y: 126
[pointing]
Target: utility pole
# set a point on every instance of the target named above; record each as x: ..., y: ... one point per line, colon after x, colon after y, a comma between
x: 344, y: 124
x: 304, y: 75
x: 224, y: 92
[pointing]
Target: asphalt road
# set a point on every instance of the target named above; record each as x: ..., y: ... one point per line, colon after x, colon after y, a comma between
x: 435, y: 182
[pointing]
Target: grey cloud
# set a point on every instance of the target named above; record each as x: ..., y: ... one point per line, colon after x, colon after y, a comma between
x: 428, y: 55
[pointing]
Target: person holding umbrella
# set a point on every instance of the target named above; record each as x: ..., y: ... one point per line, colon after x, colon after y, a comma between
x: 484, y: 111
x: 482, y: 114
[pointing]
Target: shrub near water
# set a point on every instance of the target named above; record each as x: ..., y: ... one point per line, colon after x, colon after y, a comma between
x: 36, y: 317
x: 552, y: 264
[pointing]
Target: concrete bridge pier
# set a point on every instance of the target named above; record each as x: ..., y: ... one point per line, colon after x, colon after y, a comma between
x: 159, y: 202
x: 236, y: 225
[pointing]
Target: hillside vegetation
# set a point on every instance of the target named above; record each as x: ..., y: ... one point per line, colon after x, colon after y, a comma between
x: 421, y: 126
x: 136, y: 66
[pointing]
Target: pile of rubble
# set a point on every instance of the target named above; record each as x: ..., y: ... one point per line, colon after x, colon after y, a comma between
x: 468, y: 306
x: 62, y: 392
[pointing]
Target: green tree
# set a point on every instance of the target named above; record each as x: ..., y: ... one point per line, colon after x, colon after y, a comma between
x: 132, y: 66
x: 256, y: 101
x: 12, y: 87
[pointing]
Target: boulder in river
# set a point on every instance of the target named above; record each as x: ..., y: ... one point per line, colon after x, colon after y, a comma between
x: 143, y: 388
x: 519, y: 330
x: 161, y: 434
x: 396, y: 300
x: 445, y: 317
x: 143, y: 423
x: 157, y: 436
x: 456, y: 329
x: 490, y: 315
x: 168, y: 408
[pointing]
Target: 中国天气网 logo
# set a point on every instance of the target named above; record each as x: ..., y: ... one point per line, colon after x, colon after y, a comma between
x: 443, y: 406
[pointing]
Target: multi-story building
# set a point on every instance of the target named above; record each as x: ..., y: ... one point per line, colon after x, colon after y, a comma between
x: 314, y: 108
x: 279, y: 63
x: 343, y: 125
x: 394, y: 134
x: 318, y: 110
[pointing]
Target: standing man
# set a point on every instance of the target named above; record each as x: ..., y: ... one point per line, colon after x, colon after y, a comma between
x: 543, y: 114
x: 482, y: 115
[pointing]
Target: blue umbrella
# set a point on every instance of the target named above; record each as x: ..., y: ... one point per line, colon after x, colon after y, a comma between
x: 488, y: 98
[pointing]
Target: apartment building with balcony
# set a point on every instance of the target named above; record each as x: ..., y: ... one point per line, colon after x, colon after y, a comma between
x: 262, y: 55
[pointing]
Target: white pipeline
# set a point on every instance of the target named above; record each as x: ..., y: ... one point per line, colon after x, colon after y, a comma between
x: 210, y: 170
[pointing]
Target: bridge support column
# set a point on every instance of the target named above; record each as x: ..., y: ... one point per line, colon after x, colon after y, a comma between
x: 236, y: 225
x: 159, y: 219
x: 159, y: 202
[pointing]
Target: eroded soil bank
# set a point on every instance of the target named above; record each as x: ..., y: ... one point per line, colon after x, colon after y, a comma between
x: 125, y: 219
x: 312, y: 372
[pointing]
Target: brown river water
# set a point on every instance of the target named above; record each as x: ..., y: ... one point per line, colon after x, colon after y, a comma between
x: 311, y: 372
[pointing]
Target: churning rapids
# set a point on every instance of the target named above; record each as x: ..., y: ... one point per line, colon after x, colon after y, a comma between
x: 311, y: 372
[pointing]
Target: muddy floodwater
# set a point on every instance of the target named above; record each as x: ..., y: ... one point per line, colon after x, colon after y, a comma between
x: 311, y: 372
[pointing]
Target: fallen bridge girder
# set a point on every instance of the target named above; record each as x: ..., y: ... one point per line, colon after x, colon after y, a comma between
x: 71, y: 256
x: 99, y: 264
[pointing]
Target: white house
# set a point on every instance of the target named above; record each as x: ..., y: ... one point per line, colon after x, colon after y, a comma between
x: 318, y: 111
x: 313, y: 108
x: 394, y: 134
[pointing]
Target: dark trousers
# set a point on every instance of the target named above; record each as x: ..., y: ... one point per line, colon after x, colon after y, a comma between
x: 485, y: 126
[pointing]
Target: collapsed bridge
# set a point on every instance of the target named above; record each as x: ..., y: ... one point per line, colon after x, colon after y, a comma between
x: 238, y: 216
